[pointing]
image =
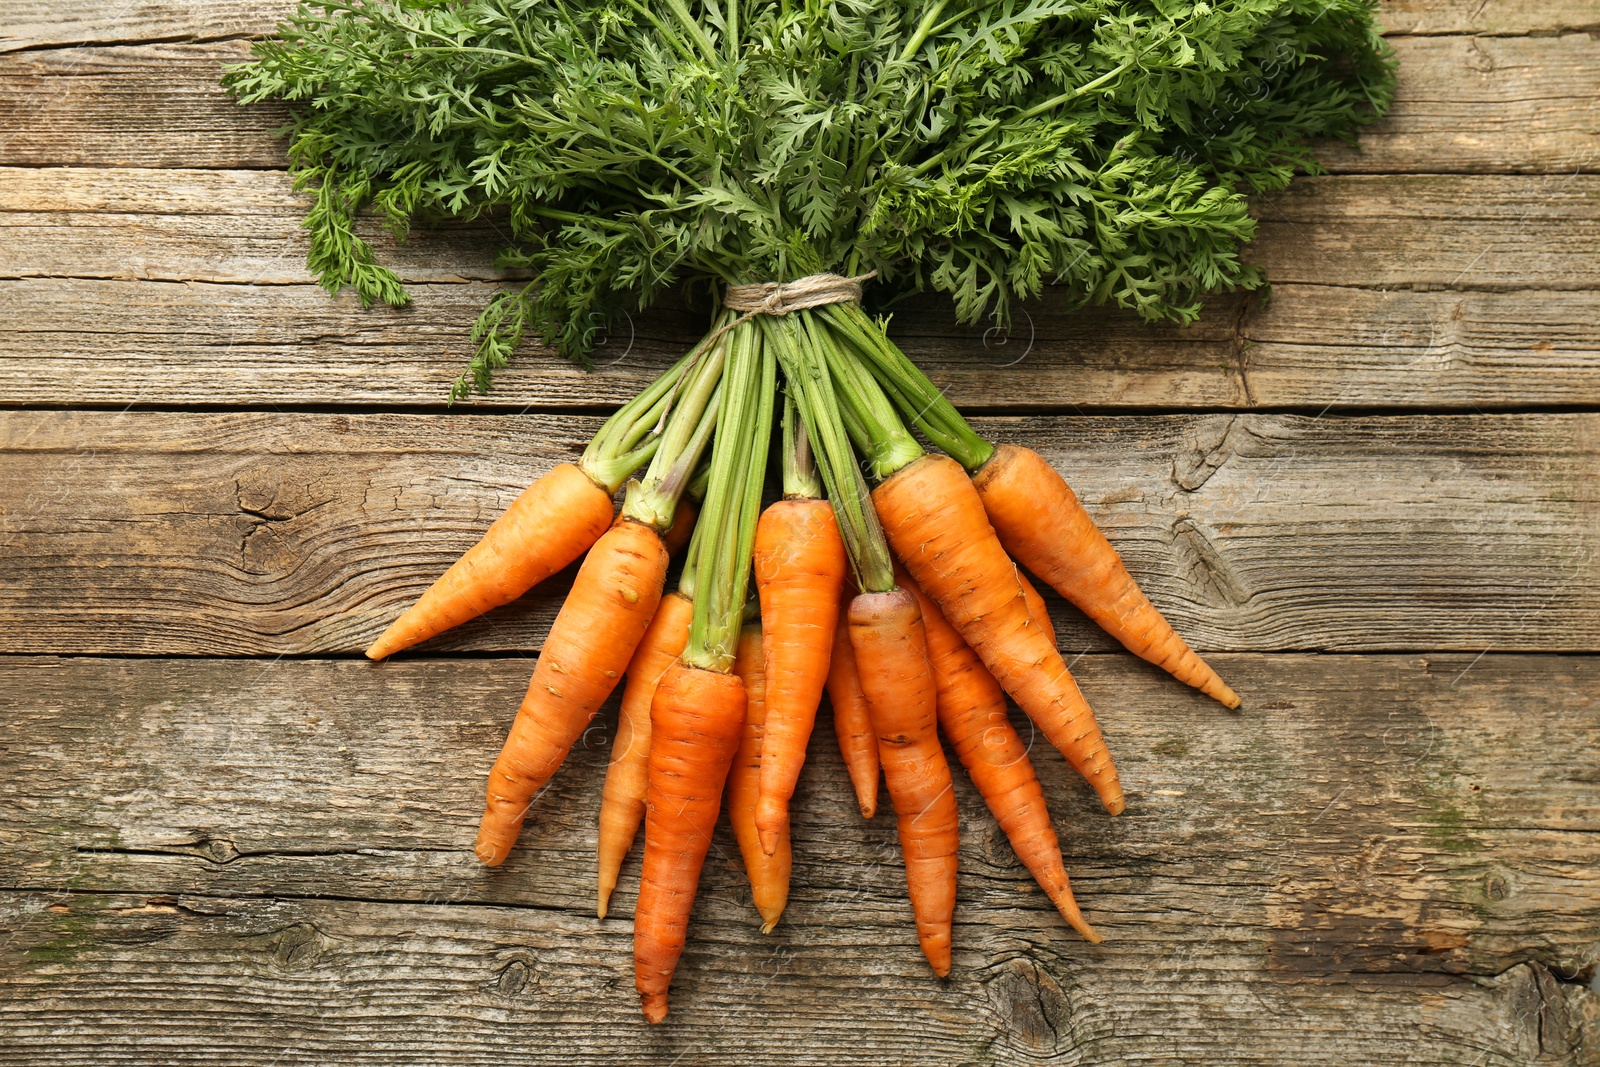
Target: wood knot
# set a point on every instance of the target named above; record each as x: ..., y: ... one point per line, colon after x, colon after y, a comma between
x: 1030, y: 1006
x: 295, y: 948
x: 513, y: 977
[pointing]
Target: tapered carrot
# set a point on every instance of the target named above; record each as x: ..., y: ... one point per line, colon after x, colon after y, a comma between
x: 800, y: 570
x: 591, y: 641
x: 1040, y: 521
x: 552, y: 523
x: 852, y: 722
x: 622, y: 798
x: 972, y: 715
x: 695, y: 726
x: 557, y: 518
x: 769, y: 875
x: 892, y: 656
x: 936, y: 524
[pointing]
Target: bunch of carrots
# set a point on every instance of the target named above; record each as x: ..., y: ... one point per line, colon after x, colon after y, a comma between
x: 886, y: 575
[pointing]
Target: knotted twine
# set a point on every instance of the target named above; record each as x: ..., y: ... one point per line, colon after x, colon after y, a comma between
x: 776, y: 298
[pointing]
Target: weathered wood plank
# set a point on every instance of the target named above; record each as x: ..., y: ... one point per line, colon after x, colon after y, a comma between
x: 1489, y: 104
x: 1486, y: 17
x: 36, y: 24
x: 1456, y: 231
x: 1467, y: 231
x: 234, y: 226
x: 1385, y: 857
x: 117, y: 342
x: 154, y: 105
x: 271, y: 533
x: 1485, y: 104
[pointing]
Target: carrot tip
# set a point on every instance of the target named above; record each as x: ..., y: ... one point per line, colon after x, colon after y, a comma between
x: 868, y: 810
x: 1115, y: 805
x: 768, y: 927
x: 769, y: 841
x: 654, y: 1006
x: 600, y: 911
x: 489, y: 855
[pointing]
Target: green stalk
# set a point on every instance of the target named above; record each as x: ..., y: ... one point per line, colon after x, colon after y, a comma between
x: 800, y: 480
x: 918, y: 399
x: 870, y: 416
x: 629, y: 440
x: 733, y: 501
x: 690, y: 423
x: 817, y: 401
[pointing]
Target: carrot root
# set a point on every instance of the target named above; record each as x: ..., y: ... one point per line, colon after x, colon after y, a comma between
x: 553, y: 522
x: 852, y: 722
x: 603, y: 620
x: 972, y: 715
x: 936, y: 524
x: 799, y: 562
x: 891, y: 650
x: 695, y: 727
x: 1039, y: 521
x: 622, y: 798
x: 769, y: 872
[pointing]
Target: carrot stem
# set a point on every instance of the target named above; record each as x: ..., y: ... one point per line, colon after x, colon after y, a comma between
x: 733, y: 501
x: 806, y: 370
x: 918, y: 399
x: 691, y: 415
x: 800, y: 478
x: 630, y: 437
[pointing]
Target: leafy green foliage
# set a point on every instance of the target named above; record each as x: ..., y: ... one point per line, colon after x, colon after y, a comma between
x: 983, y: 148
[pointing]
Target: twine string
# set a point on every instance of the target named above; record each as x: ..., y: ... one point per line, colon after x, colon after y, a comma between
x: 774, y: 298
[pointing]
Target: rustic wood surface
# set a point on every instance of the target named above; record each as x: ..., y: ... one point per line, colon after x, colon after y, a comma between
x: 1373, y: 500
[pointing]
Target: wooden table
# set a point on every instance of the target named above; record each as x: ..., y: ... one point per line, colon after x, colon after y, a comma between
x: 1372, y: 502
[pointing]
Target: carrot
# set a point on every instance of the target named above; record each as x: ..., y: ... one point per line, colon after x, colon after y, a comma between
x: 936, y: 524
x: 769, y: 874
x: 611, y: 604
x: 551, y: 524
x: 972, y: 714
x: 622, y: 798
x: 852, y: 722
x: 800, y: 570
x: 1036, y: 609
x: 1040, y: 521
x: 891, y: 650
x: 694, y: 734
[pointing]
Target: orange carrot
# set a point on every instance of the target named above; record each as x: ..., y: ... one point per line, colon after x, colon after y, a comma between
x: 769, y: 875
x: 800, y: 570
x: 936, y: 524
x: 1040, y: 521
x: 892, y: 657
x: 972, y: 714
x: 1036, y: 609
x: 695, y: 728
x: 551, y: 524
x: 611, y: 604
x: 852, y: 722
x: 623, y: 796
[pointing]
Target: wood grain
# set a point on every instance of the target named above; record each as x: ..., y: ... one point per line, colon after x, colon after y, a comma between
x: 122, y: 341
x: 1382, y: 856
x: 1372, y: 231
x: 38, y: 24
x: 1475, y: 104
x: 260, y: 533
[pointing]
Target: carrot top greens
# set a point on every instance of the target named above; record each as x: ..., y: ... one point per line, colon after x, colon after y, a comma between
x: 982, y: 148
